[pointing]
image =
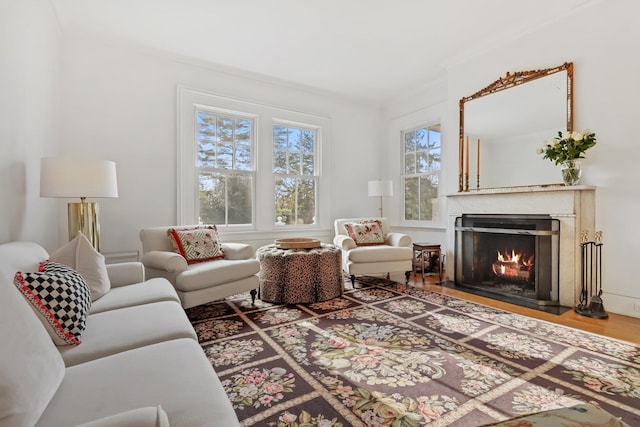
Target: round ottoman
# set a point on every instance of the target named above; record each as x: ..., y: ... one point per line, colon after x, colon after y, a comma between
x: 296, y: 276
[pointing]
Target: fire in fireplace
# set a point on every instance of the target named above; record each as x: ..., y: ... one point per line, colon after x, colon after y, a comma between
x: 510, y: 255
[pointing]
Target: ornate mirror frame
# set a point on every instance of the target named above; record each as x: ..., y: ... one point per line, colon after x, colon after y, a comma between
x: 511, y: 80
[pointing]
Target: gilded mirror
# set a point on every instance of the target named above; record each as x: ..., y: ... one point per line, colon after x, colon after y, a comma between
x: 503, y: 124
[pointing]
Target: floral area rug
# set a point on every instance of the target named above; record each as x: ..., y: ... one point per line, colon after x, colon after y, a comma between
x: 387, y: 354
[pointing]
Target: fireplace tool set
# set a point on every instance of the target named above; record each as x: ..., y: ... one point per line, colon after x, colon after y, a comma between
x: 591, y: 304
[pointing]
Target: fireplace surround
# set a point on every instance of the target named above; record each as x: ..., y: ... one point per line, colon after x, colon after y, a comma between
x: 515, y: 256
x: 572, y: 206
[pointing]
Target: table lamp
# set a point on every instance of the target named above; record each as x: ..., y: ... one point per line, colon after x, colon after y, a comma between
x: 74, y: 177
x: 380, y: 189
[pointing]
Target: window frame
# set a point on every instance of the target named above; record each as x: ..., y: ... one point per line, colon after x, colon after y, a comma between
x: 315, y: 176
x: 265, y: 116
x: 231, y: 171
x: 404, y: 175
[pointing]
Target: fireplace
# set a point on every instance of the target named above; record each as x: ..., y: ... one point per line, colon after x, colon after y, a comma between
x: 514, y: 256
x: 573, y: 206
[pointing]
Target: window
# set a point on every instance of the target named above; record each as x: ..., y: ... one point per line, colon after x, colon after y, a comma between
x: 421, y: 173
x: 242, y: 164
x: 225, y: 169
x: 294, y: 170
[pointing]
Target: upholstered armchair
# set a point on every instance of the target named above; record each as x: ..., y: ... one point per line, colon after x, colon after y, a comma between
x: 201, y: 268
x: 369, y: 248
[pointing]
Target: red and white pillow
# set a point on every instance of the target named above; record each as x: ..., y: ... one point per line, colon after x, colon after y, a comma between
x: 60, y: 297
x: 197, y: 244
x: 366, y: 233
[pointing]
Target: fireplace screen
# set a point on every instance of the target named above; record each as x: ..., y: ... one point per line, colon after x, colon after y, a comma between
x: 512, y: 255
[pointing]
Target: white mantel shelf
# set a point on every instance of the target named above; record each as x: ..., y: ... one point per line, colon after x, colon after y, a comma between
x: 522, y: 189
x: 573, y: 206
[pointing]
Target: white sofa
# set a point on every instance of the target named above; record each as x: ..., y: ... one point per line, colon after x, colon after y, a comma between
x: 396, y: 254
x: 201, y: 282
x: 139, y: 362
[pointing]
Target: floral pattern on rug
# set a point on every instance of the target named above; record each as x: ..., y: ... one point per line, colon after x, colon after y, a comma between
x: 211, y: 330
x: 293, y: 339
x: 372, y: 294
x: 518, y: 346
x: 381, y: 409
x: 407, y: 307
x: 277, y: 316
x: 619, y: 349
x: 387, y: 354
x: 305, y: 419
x: 258, y: 387
x: 452, y: 323
x: 481, y: 374
x: 233, y: 352
x: 536, y: 399
x: 605, y: 377
x: 375, y: 354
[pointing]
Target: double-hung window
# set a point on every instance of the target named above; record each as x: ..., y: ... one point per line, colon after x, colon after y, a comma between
x: 247, y: 167
x: 225, y: 167
x: 421, y: 173
x: 295, y: 174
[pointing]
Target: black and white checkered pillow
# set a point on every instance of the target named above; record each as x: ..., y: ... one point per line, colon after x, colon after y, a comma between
x: 60, y: 297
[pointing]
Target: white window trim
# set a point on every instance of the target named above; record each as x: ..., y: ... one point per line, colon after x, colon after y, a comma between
x: 265, y: 117
x: 403, y: 132
x: 414, y: 120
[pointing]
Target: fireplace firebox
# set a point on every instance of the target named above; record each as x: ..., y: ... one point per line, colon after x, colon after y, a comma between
x: 513, y: 256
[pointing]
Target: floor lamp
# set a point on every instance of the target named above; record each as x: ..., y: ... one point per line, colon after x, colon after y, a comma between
x: 71, y: 177
x: 380, y: 189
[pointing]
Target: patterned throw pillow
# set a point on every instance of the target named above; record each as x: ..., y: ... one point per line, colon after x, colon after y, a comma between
x: 197, y: 244
x: 366, y: 233
x: 61, y: 299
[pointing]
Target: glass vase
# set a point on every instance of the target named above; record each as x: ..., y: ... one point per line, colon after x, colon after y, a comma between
x: 571, y: 172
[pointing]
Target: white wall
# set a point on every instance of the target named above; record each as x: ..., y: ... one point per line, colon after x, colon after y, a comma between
x: 600, y: 39
x: 29, y: 48
x: 120, y: 105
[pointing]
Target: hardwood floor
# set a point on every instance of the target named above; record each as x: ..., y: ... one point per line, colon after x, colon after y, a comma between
x: 624, y: 328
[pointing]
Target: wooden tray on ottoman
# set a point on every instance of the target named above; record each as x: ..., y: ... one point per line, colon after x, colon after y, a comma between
x: 298, y: 243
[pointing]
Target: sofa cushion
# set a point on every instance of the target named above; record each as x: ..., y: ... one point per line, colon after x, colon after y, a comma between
x: 382, y: 253
x: 197, y: 244
x: 82, y: 257
x: 61, y: 299
x: 115, y: 331
x: 206, y: 275
x: 31, y: 368
x: 152, y: 290
x: 366, y: 233
x: 157, y: 374
x: 141, y: 417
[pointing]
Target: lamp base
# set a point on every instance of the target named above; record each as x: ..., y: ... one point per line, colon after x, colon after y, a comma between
x: 83, y: 218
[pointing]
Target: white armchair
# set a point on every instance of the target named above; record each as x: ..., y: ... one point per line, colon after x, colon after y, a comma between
x: 394, y: 253
x: 201, y: 282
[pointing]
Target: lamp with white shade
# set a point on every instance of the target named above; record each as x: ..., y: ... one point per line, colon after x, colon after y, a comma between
x: 73, y: 177
x: 380, y: 189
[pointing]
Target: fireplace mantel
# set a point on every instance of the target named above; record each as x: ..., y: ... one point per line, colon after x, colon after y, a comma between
x: 573, y: 206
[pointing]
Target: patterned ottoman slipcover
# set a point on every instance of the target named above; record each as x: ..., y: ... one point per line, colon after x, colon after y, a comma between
x: 296, y: 276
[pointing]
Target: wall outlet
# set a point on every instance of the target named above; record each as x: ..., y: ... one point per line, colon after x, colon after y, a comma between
x: 636, y: 307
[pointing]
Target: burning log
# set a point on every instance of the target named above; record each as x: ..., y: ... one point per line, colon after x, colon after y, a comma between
x: 514, y: 266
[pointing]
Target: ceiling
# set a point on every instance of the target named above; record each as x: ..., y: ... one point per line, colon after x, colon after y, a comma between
x: 365, y: 49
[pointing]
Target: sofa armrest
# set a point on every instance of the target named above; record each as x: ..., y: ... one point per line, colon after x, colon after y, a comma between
x: 141, y: 417
x: 235, y: 251
x: 125, y: 273
x: 344, y: 242
x: 166, y: 261
x: 398, y: 239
